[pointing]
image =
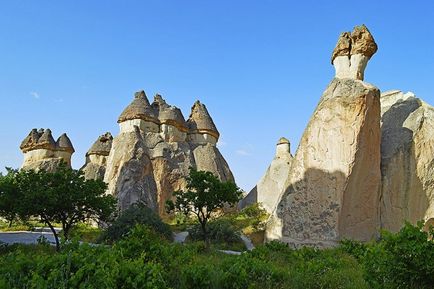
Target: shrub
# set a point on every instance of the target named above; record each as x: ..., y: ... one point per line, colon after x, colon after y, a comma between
x: 134, y: 215
x: 401, y: 260
x: 220, y: 231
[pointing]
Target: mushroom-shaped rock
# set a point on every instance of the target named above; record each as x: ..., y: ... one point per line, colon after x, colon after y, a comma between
x: 46, y: 140
x: 159, y: 102
x: 200, y: 122
x: 102, y: 145
x: 139, y: 113
x: 96, y: 157
x: 42, y: 152
x: 169, y: 114
x: 363, y: 42
x: 283, y: 147
x: 139, y: 108
x: 352, y: 53
x: 64, y: 144
x: 30, y: 141
x: 343, y: 47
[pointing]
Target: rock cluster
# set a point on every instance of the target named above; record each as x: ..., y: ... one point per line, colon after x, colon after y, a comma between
x: 149, y: 159
x: 155, y: 149
x: 41, y: 151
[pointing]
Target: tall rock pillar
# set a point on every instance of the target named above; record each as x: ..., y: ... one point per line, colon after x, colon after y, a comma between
x: 332, y: 191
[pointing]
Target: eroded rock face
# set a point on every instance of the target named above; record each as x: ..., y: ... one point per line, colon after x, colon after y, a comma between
x: 156, y: 148
x: 96, y: 157
x: 41, y: 152
x: 333, y: 186
x: 272, y: 184
x: 129, y: 173
x: 407, y: 150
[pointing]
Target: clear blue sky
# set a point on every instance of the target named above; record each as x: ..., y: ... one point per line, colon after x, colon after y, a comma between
x: 259, y: 66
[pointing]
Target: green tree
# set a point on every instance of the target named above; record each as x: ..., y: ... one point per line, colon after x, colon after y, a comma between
x: 8, y: 191
x: 205, y: 195
x: 63, y: 196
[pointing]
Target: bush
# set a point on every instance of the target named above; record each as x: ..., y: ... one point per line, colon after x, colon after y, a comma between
x: 134, y: 215
x: 401, y: 260
x: 220, y: 231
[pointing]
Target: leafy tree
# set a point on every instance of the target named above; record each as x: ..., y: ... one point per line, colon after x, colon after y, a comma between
x: 205, y: 195
x: 63, y: 196
x: 8, y: 191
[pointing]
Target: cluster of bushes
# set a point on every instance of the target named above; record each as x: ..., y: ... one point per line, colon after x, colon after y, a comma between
x: 402, y: 260
x: 142, y: 256
x: 221, y: 234
x: 136, y: 214
x: 145, y: 259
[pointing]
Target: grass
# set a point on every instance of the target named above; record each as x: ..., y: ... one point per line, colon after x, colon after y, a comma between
x: 22, y: 226
x: 86, y: 233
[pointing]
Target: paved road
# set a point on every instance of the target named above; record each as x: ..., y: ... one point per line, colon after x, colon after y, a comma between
x: 26, y: 237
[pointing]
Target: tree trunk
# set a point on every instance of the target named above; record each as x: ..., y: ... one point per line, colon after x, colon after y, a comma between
x: 56, y: 237
x: 205, y: 235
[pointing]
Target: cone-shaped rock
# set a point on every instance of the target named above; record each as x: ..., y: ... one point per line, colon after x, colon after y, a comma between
x: 271, y: 185
x: 201, y: 122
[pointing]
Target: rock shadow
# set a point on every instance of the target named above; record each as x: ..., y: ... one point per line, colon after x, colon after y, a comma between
x: 310, y: 208
x: 402, y: 196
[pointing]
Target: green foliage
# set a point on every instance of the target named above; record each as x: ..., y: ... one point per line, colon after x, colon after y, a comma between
x: 134, y: 215
x: 85, y: 232
x: 401, y: 260
x: 252, y: 218
x: 144, y: 259
x: 63, y: 196
x: 220, y: 231
x: 205, y: 195
x: 8, y: 190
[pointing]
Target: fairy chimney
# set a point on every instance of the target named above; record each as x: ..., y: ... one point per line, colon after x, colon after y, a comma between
x: 352, y: 53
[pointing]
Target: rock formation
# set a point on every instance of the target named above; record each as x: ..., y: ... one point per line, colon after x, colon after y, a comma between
x: 269, y: 187
x: 155, y: 149
x: 96, y: 157
x: 333, y: 186
x: 42, y: 152
x: 407, y: 162
x: 352, y: 53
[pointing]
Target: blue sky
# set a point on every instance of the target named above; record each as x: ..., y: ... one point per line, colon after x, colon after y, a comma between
x: 259, y: 66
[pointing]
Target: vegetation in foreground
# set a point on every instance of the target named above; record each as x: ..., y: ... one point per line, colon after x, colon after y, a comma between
x: 143, y: 258
x: 138, y: 252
